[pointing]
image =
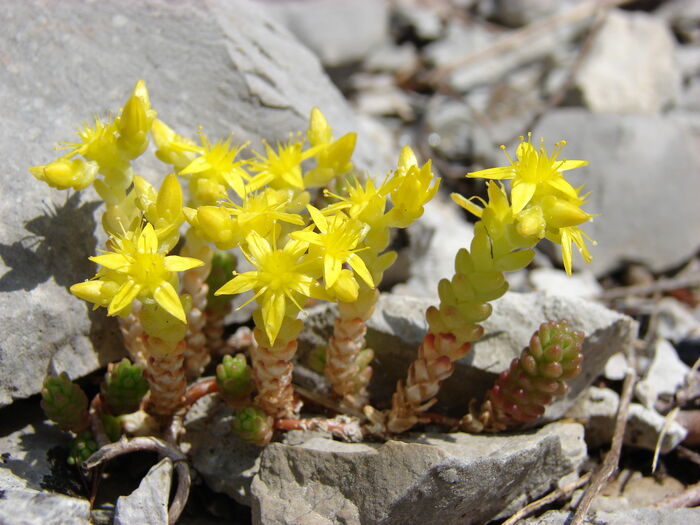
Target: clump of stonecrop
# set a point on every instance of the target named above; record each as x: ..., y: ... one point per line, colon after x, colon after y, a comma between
x: 311, y: 227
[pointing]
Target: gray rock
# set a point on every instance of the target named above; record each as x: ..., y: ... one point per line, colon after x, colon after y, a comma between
x: 625, y: 517
x: 462, y: 43
x: 616, y: 367
x: 684, y: 18
x: 424, y: 20
x: 462, y: 478
x: 339, y: 32
x: 391, y: 58
x: 37, y: 485
x: 433, y: 242
x: 597, y: 410
x: 674, y: 321
x: 625, y: 152
x: 516, y: 13
x: 556, y: 282
x: 631, y: 67
x: 31, y: 507
x: 665, y: 375
x: 224, y: 65
x: 226, y: 463
x: 149, y: 502
x: 398, y: 325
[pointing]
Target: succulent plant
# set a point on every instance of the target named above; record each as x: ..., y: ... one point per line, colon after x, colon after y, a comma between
x: 65, y: 403
x: 235, y: 379
x: 522, y: 392
x: 124, y: 387
x: 253, y: 425
x: 81, y: 448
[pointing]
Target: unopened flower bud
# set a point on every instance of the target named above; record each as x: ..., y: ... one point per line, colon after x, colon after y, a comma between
x: 65, y: 403
x: 253, y: 425
x: 235, y: 379
x: 65, y: 173
x: 124, y: 387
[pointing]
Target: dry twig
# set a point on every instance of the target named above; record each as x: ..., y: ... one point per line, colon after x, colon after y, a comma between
x: 613, y: 457
x: 151, y: 444
x: 193, y: 393
x: 343, y: 427
x: 662, y: 285
x: 563, y: 492
x: 688, y: 498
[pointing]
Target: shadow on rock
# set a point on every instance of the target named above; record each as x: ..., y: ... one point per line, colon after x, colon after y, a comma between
x: 58, y: 246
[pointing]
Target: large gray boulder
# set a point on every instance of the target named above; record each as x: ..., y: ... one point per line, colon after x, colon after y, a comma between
x: 639, y: 177
x: 224, y: 65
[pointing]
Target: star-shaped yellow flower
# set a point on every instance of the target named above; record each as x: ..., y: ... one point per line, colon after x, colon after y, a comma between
x: 532, y: 170
x: 280, y: 279
x: 139, y: 270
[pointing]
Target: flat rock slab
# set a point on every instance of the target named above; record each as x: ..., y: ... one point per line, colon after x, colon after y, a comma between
x: 223, y: 65
x: 625, y: 517
x: 149, y: 502
x: 37, y: 487
x: 461, y: 478
x: 398, y: 324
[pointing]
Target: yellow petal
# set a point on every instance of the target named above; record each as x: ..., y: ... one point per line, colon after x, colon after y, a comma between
x: 175, y: 263
x: 166, y: 296
x: 467, y: 204
x: 331, y: 269
x: 123, y: 298
x: 358, y: 265
x: 243, y: 282
x: 258, y: 246
x: 273, y: 307
x: 565, y: 165
x: 318, y: 218
x: 521, y: 195
x: 148, y: 240
x: 504, y: 172
x: 113, y: 261
x: 566, y: 250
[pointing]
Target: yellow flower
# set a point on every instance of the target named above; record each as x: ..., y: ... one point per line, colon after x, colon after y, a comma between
x: 364, y: 203
x: 338, y: 239
x: 65, y: 173
x: 282, y: 168
x: 259, y: 211
x: 411, y: 189
x: 173, y: 148
x: 163, y: 208
x: 532, y: 170
x: 333, y: 157
x: 141, y: 271
x: 567, y: 236
x: 215, y: 169
x: 98, y: 143
x: 280, y: 278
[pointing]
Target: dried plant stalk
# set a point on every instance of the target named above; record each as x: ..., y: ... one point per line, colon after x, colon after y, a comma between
x: 132, y: 333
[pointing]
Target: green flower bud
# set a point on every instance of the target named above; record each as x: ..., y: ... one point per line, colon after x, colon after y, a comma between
x: 235, y: 379
x: 253, y: 425
x: 223, y: 265
x: 124, y: 387
x: 65, y: 403
x: 81, y: 448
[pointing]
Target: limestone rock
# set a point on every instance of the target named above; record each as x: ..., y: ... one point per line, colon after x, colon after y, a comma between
x: 224, y: 65
x: 339, y: 32
x: 625, y: 517
x: 597, y: 409
x: 665, y: 375
x: 459, y: 477
x: 624, y: 152
x: 398, y: 324
x: 556, y: 282
x: 149, y: 502
x: 631, y: 67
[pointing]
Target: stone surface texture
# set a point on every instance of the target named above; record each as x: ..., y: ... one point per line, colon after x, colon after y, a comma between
x: 625, y: 517
x: 648, y: 214
x: 458, y: 477
x: 631, y: 66
x: 398, y: 325
x: 149, y: 502
x: 66, y: 61
x: 597, y: 410
x: 337, y: 31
